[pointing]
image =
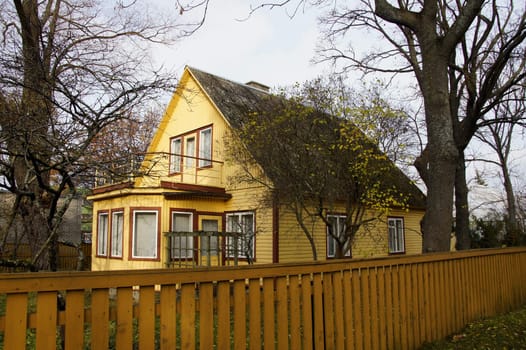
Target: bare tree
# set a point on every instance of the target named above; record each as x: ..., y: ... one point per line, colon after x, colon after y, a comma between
x: 457, y: 52
x: 499, y: 137
x: 67, y: 71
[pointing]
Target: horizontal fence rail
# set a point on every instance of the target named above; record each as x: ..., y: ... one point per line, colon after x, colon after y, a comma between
x: 388, y: 303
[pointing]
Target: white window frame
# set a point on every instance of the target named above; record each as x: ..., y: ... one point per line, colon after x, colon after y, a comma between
x: 396, y: 235
x: 117, y: 231
x: 241, y: 242
x: 175, y: 154
x: 103, y: 221
x: 205, y: 148
x: 155, y: 237
x: 188, y: 252
x: 331, y: 242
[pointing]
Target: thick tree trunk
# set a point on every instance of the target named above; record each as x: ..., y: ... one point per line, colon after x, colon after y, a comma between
x: 437, y: 165
x: 461, y: 205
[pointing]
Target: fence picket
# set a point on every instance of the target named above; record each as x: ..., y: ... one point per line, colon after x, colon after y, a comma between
x: 168, y: 318
x: 295, y: 312
x: 188, y: 316
x: 240, y: 323
x: 206, y: 315
x: 74, y: 327
x: 147, y: 317
x: 255, y: 311
x: 124, y: 336
x: 223, y: 315
x: 306, y: 299
x: 268, y: 313
x: 16, y: 321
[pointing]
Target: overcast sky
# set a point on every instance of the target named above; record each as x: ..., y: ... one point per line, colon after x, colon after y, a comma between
x: 268, y: 46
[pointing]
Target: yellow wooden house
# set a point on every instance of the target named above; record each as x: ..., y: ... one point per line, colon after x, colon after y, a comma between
x: 185, y: 189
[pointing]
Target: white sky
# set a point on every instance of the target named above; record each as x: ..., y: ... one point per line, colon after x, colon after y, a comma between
x: 268, y: 47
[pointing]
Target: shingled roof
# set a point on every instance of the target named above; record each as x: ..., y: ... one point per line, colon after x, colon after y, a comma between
x: 236, y: 101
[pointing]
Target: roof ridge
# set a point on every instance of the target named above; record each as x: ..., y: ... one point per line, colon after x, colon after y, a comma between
x: 245, y: 85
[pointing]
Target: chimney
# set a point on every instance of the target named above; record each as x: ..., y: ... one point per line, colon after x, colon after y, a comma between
x: 258, y: 86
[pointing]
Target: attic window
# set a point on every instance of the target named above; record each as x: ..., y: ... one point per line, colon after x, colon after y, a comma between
x: 258, y: 86
x: 205, y: 148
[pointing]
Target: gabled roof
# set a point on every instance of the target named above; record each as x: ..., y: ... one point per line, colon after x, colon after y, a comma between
x: 235, y: 101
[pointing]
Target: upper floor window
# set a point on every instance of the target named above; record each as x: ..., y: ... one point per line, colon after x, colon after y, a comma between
x: 175, y: 158
x: 190, y: 152
x: 396, y: 235
x: 186, y: 148
x: 205, y: 147
x: 335, y: 229
x: 242, y: 244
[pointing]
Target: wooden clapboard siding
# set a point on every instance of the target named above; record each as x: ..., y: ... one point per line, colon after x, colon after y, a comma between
x: 387, y: 303
x: 370, y: 241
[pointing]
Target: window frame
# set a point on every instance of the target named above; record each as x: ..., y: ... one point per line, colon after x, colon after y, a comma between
x: 182, y: 161
x: 190, y: 239
x: 104, y: 244
x: 241, y: 253
x: 132, y: 247
x: 205, y: 160
x: 120, y: 240
x: 189, y: 163
x: 330, y: 240
x: 401, y: 244
x: 176, y: 157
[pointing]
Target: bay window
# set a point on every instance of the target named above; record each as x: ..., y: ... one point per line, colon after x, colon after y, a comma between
x: 145, y: 234
x: 102, y: 234
x: 117, y: 224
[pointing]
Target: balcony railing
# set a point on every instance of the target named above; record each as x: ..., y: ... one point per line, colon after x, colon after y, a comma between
x: 207, y: 248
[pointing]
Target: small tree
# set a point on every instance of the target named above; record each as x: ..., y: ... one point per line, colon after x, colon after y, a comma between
x: 314, y: 163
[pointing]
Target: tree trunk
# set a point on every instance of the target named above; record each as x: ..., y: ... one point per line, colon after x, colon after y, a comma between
x: 461, y: 205
x: 437, y: 165
x: 512, y: 229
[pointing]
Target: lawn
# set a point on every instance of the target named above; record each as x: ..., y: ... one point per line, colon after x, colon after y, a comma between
x: 506, y: 331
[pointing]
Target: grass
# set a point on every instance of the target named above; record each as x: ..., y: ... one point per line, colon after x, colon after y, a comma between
x: 507, y: 331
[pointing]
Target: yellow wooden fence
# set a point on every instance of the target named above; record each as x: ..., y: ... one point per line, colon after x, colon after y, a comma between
x: 389, y: 303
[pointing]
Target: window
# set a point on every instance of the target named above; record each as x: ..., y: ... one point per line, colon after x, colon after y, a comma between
x: 205, y: 148
x: 241, y: 245
x: 396, y: 235
x: 182, y: 246
x: 102, y: 234
x: 175, y: 158
x: 190, y: 152
x: 145, y: 234
x: 336, y: 228
x: 117, y: 222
